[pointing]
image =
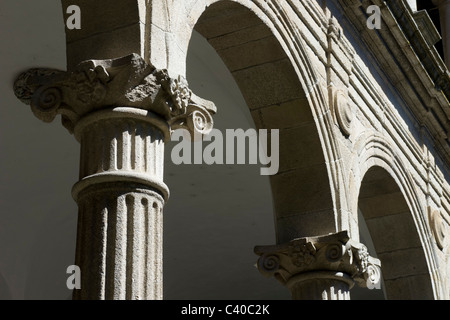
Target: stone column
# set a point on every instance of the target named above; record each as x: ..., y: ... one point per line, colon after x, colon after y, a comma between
x: 444, y: 14
x: 320, y: 268
x: 121, y: 111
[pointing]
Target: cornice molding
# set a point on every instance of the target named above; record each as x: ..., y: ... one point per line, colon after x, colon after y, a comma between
x: 411, y: 64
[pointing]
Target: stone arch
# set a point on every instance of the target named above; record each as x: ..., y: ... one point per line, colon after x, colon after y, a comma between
x: 282, y: 92
x: 394, y: 217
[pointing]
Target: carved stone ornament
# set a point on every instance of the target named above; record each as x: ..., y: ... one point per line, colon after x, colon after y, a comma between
x: 344, y: 112
x: 334, y: 29
x: 438, y: 227
x: 124, y: 82
x: 335, y: 252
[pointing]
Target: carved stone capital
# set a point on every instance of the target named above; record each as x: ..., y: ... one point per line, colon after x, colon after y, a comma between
x: 334, y: 253
x: 124, y: 82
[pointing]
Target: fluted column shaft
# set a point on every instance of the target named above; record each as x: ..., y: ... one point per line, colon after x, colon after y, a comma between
x: 120, y: 198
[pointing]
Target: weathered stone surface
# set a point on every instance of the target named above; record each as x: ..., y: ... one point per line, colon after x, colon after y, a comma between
x: 295, y: 193
x: 409, y: 285
x: 320, y: 267
x: 225, y: 18
x: 285, y: 115
x: 268, y: 84
x: 264, y: 51
x: 108, y: 30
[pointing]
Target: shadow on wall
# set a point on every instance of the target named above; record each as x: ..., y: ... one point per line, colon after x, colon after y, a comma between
x: 5, y: 294
x: 50, y: 256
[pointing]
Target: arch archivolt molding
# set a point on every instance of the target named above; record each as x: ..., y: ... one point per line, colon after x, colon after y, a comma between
x: 374, y: 150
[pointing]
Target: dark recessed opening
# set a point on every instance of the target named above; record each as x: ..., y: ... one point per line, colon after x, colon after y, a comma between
x: 433, y: 11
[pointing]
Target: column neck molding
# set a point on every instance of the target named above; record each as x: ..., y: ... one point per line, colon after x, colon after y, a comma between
x: 104, y: 84
x: 122, y: 113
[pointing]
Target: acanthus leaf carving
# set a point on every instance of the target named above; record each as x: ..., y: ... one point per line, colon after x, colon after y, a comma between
x: 302, y: 253
x: 89, y: 84
x: 366, y: 269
